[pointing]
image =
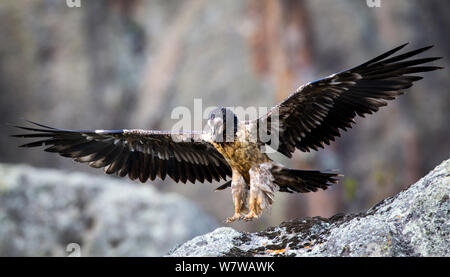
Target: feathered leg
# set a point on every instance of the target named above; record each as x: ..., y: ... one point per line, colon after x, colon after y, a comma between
x: 239, y: 191
x: 262, y: 190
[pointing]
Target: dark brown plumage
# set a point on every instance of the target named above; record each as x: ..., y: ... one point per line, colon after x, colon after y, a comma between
x: 310, y: 117
x: 314, y: 114
x: 139, y: 154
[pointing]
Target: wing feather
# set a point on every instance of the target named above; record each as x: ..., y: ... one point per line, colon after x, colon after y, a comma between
x: 140, y: 154
x: 314, y: 114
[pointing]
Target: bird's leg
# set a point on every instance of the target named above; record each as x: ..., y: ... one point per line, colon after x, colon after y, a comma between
x: 239, y: 192
x: 254, y: 207
x: 261, y: 190
x: 254, y: 204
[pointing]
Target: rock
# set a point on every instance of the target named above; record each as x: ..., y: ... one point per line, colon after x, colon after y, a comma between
x: 130, y: 64
x: 415, y: 222
x: 43, y: 212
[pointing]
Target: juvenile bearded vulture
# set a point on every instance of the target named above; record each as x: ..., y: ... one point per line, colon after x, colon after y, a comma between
x: 307, y: 119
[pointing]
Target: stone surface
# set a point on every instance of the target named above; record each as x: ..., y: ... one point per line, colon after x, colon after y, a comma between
x: 415, y: 222
x: 43, y: 211
x: 129, y: 64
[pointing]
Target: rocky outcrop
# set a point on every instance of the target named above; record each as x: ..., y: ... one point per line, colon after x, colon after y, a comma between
x: 55, y: 213
x: 415, y: 222
x: 129, y: 64
x: 51, y: 213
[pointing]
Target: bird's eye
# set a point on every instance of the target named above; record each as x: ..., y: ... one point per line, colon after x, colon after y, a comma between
x: 213, y: 116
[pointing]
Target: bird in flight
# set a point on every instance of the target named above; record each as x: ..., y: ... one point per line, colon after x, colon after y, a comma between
x: 310, y: 117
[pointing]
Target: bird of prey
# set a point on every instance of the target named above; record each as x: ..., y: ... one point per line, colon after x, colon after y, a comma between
x: 310, y: 117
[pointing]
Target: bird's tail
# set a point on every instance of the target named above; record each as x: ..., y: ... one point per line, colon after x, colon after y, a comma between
x: 296, y: 180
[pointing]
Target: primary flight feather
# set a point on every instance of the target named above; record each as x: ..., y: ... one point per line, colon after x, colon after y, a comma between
x: 310, y: 117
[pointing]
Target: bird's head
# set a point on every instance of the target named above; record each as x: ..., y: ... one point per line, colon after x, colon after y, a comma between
x: 223, y: 124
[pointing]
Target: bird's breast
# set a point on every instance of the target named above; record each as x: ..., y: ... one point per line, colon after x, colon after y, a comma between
x: 242, y: 155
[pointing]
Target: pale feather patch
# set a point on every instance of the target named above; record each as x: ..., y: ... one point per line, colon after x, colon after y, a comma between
x: 262, y: 187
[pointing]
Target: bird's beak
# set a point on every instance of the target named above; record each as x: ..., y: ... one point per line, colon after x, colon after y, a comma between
x: 217, y: 125
x: 211, y: 127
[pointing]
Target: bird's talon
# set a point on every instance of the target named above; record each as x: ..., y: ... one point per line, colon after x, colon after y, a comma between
x: 250, y: 217
x: 234, y: 218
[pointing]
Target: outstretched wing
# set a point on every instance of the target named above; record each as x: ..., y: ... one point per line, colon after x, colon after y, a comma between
x: 316, y: 112
x: 137, y: 153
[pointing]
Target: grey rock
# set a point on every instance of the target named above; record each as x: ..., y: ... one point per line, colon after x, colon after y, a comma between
x: 415, y: 222
x: 129, y: 64
x: 44, y: 212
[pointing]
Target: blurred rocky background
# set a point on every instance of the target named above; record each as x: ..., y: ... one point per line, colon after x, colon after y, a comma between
x: 129, y: 63
x: 54, y: 213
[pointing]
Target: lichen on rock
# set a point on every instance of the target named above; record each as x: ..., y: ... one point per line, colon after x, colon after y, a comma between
x: 414, y: 222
